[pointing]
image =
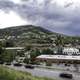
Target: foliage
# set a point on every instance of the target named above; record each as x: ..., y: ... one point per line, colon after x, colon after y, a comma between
x: 5, y: 55
x: 20, y: 53
x: 27, y: 48
x: 35, y: 53
x: 8, y: 56
x: 9, y: 43
x: 1, y: 51
x: 27, y: 61
x: 47, y: 51
x: 22, y: 35
x: 59, y: 41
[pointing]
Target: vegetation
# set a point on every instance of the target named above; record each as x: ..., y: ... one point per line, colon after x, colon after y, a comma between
x: 36, y: 52
x: 9, y: 74
x: 47, y: 51
x: 8, y: 56
x: 30, y: 34
x: 28, y: 48
x: 5, y: 55
x: 8, y: 43
x: 23, y: 35
x: 59, y: 41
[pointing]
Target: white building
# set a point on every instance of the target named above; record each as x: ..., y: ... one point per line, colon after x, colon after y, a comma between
x: 70, y: 51
x: 14, y: 48
x: 58, y: 57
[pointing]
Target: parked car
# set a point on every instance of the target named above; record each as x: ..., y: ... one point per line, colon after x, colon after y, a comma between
x: 1, y: 62
x: 67, y: 64
x: 29, y: 66
x: 8, y: 63
x: 66, y: 75
x: 17, y: 64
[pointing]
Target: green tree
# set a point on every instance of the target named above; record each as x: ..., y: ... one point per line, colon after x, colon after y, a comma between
x: 59, y: 43
x: 7, y: 56
x: 27, y: 60
x: 28, y: 48
x: 34, y: 54
x: 47, y: 51
x: 9, y: 43
x: 1, y: 51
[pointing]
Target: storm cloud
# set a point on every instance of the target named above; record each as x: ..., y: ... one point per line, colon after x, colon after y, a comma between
x: 47, y: 13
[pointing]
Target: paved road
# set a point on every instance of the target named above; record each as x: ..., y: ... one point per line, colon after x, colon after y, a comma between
x: 46, y: 73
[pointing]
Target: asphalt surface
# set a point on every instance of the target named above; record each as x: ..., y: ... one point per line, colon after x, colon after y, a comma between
x: 40, y: 72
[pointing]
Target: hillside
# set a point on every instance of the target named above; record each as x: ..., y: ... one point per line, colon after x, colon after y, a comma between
x: 22, y: 35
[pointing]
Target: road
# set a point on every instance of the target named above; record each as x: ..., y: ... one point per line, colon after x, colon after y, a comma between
x: 40, y: 72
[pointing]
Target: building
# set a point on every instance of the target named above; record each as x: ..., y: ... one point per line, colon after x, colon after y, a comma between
x: 14, y: 48
x: 59, y: 59
x: 70, y: 51
x: 69, y: 55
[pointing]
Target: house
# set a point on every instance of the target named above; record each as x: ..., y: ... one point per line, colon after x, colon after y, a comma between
x: 70, y: 51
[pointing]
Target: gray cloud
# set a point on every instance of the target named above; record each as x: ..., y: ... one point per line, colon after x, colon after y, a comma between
x: 51, y: 16
x: 6, y: 5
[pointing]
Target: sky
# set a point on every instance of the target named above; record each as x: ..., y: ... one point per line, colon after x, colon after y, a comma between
x: 62, y: 16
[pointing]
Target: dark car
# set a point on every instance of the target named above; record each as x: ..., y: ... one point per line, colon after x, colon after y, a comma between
x: 17, y: 64
x: 8, y: 64
x: 29, y: 66
x: 66, y: 75
x: 67, y: 64
x: 1, y: 62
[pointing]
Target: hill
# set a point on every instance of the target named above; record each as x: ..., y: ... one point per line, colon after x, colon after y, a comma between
x: 28, y: 34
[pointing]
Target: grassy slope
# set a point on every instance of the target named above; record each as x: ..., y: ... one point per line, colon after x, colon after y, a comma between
x: 9, y: 74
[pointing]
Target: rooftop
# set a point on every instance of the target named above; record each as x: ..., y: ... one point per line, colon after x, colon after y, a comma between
x: 14, y: 48
x: 58, y: 57
x: 70, y: 50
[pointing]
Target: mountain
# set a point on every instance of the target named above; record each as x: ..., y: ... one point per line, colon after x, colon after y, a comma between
x: 18, y: 30
x: 28, y: 34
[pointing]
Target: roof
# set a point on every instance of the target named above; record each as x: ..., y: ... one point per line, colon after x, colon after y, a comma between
x: 70, y: 50
x: 58, y: 57
x: 14, y: 48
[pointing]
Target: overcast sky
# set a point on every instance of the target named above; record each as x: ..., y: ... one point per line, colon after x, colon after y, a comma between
x: 62, y: 16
